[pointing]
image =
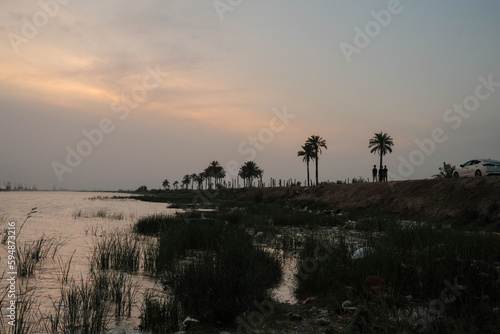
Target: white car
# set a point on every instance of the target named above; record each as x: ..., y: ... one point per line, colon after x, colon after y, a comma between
x: 478, y: 167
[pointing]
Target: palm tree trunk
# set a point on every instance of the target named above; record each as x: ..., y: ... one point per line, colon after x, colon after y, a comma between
x: 308, y: 173
x: 317, y: 168
x: 380, y: 168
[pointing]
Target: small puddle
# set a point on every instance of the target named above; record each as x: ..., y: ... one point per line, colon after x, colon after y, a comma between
x: 285, y: 291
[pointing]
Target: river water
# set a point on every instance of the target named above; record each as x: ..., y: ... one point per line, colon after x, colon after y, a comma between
x: 70, y: 217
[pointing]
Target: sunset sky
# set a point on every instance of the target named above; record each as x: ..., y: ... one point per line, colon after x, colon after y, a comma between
x: 118, y: 94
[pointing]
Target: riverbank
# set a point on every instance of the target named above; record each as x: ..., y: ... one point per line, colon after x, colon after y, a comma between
x: 399, y: 283
x: 363, y: 274
x: 472, y: 203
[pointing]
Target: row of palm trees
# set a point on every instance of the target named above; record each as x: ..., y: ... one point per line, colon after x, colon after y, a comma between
x: 380, y: 143
x: 311, y: 151
x: 215, y: 173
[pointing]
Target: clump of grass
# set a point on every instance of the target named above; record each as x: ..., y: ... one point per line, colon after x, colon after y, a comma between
x: 116, y: 250
x: 87, y: 307
x: 64, y: 269
x: 27, y: 309
x: 121, y: 288
x: 159, y: 314
x: 152, y: 224
x: 100, y: 213
x: 83, y: 308
x: 176, y: 239
x: 222, y: 281
x: 100, y: 198
x: 31, y: 254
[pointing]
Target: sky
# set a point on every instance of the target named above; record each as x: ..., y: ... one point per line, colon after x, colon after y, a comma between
x: 108, y: 95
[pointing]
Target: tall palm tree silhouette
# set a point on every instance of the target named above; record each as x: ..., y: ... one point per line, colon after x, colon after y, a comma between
x: 216, y: 171
x: 193, y: 178
x: 249, y: 171
x: 186, y: 180
x: 316, y: 143
x: 200, y: 178
x: 308, y: 154
x: 381, y: 143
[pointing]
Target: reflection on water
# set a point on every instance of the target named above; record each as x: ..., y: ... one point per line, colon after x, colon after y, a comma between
x: 75, y: 218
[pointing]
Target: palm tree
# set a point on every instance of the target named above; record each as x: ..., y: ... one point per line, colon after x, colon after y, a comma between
x: 186, y: 180
x: 216, y: 171
x: 381, y: 143
x: 193, y: 178
x: 200, y: 178
x: 175, y: 184
x: 249, y: 171
x: 316, y: 143
x: 308, y: 154
x: 166, y: 184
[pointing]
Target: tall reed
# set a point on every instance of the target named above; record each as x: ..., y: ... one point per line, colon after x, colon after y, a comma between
x: 159, y: 313
x: 27, y: 309
x: 116, y: 250
x: 30, y: 254
x: 223, y: 278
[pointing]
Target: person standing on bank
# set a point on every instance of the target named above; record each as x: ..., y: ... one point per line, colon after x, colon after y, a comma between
x: 384, y: 173
x: 374, y: 173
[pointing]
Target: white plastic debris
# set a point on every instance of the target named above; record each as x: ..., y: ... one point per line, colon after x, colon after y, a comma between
x: 347, y: 306
x: 187, y: 322
x: 362, y: 253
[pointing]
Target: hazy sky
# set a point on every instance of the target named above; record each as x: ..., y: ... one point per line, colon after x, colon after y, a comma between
x: 118, y: 94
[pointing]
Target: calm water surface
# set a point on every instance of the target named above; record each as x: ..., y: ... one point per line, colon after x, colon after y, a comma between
x: 55, y: 218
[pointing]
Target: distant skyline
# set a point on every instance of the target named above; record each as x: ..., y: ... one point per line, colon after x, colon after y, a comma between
x: 119, y: 94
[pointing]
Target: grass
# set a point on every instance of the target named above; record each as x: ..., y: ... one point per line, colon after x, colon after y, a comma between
x: 83, y: 308
x: 27, y: 308
x: 30, y: 254
x: 99, y: 213
x: 117, y: 250
x: 416, y: 261
x: 159, y: 314
x: 212, y: 268
x: 176, y: 239
x: 88, y: 306
x: 152, y: 224
x: 217, y: 287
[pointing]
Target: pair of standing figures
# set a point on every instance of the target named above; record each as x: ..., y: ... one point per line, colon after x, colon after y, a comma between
x: 382, y: 173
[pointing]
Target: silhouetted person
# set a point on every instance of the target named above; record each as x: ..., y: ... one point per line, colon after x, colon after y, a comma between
x: 384, y: 173
x: 374, y: 173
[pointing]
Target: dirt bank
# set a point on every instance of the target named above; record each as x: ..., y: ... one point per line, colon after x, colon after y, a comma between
x: 463, y: 201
